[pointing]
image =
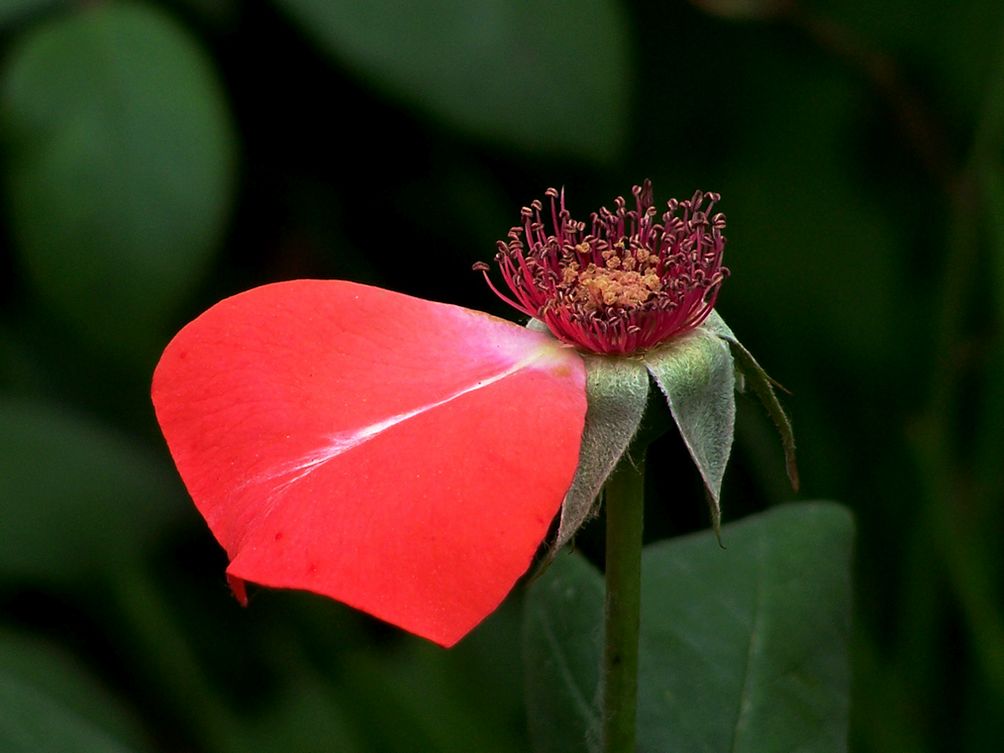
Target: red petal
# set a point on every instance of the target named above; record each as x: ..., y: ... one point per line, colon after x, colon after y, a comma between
x: 402, y: 456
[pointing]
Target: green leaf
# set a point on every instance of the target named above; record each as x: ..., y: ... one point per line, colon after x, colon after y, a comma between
x: 696, y: 374
x: 31, y: 721
x: 742, y: 649
x: 990, y: 433
x: 562, y: 645
x: 436, y: 707
x: 992, y: 183
x: 741, y: 9
x: 546, y: 77
x: 61, y: 677
x: 746, y: 649
x: 119, y: 156
x: 76, y: 495
x: 305, y: 711
x: 617, y: 392
x: 12, y: 11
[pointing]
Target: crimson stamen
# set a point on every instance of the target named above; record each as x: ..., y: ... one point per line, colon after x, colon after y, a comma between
x: 629, y: 284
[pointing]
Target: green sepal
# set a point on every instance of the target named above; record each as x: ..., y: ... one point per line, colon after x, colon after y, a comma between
x: 616, y: 392
x: 749, y: 371
x: 697, y: 376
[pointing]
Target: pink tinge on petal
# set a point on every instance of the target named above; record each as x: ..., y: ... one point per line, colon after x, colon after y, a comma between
x: 402, y: 456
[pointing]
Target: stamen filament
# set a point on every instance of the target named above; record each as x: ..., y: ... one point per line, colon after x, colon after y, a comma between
x: 628, y: 285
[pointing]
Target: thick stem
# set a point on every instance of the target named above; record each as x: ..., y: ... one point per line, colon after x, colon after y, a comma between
x: 624, y: 502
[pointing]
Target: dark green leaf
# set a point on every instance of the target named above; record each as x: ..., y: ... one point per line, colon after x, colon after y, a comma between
x: 52, y: 671
x: 33, y: 722
x: 119, y: 156
x: 562, y: 644
x: 306, y: 712
x: 746, y: 649
x: 741, y: 9
x: 742, y: 649
x: 76, y: 495
x: 12, y: 11
x: 551, y: 76
x: 466, y: 699
x: 992, y: 183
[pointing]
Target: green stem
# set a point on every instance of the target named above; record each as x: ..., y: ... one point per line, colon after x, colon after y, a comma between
x: 624, y: 502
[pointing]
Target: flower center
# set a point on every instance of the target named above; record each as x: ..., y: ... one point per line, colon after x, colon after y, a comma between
x: 627, y: 278
x: 629, y: 284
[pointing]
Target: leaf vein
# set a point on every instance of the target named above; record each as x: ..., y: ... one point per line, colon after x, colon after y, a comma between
x: 585, y: 708
x: 753, y: 647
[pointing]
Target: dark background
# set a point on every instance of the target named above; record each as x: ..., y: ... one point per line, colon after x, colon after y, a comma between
x: 156, y: 157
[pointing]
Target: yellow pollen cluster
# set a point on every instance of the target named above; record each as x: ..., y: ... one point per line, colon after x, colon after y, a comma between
x: 627, y: 280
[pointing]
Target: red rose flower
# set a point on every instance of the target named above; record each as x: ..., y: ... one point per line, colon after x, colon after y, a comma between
x: 407, y: 457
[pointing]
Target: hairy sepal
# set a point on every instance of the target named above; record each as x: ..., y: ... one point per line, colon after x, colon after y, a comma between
x: 616, y: 392
x: 749, y: 372
x: 696, y: 374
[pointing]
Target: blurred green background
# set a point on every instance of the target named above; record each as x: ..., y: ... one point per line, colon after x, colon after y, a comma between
x: 156, y: 157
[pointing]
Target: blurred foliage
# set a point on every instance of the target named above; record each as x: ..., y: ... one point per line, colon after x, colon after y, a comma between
x: 118, y: 157
x: 155, y: 157
x: 31, y: 722
x: 56, y: 468
x: 490, y: 68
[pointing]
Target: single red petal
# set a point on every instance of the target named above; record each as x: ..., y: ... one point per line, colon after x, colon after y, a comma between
x: 402, y: 456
